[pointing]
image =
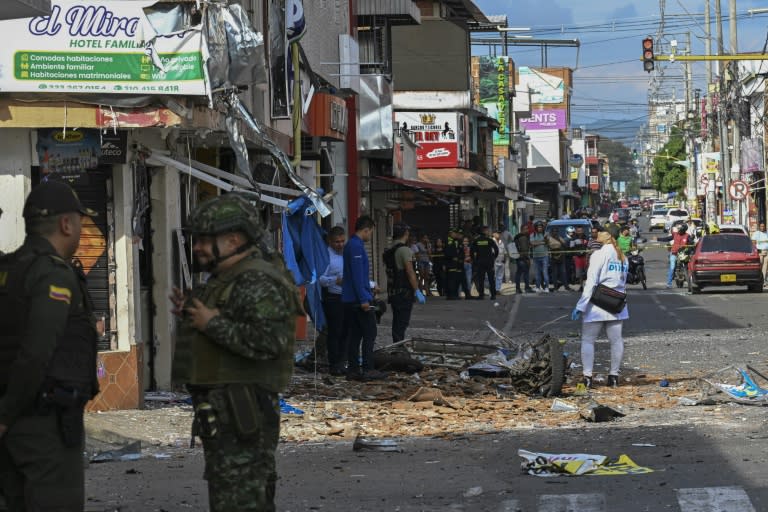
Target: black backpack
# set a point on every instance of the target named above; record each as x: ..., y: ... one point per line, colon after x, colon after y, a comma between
x: 389, y: 265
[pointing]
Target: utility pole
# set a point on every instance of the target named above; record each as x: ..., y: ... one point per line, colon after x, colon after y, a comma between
x: 708, y: 43
x: 736, y: 106
x: 688, y: 129
x: 707, y: 119
x: 725, y: 160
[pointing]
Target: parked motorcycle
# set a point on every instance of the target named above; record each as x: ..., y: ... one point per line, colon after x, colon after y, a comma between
x: 636, y: 273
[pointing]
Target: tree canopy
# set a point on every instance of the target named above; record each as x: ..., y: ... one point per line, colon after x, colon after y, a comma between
x: 667, y: 175
x: 622, y: 168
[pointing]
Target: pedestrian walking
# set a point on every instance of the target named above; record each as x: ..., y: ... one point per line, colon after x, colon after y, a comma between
x: 234, y: 350
x: 402, y: 285
x: 608, y: 266
x: 523, y: 264
x: 484, y: 253
x: 47, y: 357
x: 357, y: 296
x: 760, y: 241
x: 331, y: 281
x: 501, y: 260
x: 540, y: 253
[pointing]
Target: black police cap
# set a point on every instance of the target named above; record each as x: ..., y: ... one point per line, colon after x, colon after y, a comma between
x: 53, y: 197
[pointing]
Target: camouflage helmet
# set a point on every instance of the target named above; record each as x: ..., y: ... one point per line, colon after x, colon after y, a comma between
x: 225, y: 214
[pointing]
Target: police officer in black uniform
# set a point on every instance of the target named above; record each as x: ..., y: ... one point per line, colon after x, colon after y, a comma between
x: 454, y: 264
x: 484, y: 252
x: 47, y: 357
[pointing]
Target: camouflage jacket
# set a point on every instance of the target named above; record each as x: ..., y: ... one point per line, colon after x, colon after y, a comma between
x: 252, y: 337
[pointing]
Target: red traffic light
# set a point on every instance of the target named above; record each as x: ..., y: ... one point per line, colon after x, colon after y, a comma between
x: 648, y: 57
x: 648, y: 44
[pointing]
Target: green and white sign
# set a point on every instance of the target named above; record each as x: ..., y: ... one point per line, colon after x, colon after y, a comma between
x: 91, y: 46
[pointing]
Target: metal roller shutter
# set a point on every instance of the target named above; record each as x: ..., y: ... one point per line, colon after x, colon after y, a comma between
x: 96, y: 251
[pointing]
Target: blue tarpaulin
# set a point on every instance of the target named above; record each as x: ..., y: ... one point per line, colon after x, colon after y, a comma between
x: 306, y: 253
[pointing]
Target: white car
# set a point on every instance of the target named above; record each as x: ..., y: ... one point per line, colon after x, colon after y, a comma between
x: 674, y: 214
x: 733, y: 228
x: 658, y: 218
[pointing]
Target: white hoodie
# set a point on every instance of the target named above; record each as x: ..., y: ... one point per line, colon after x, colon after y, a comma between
x: 604, y: 268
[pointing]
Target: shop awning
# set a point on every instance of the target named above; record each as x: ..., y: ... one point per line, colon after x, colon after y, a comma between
x: 543, y: 174
x: 217, y: 177
x: 457, y: 177
x: 414, y: 184
x: 530, y: 199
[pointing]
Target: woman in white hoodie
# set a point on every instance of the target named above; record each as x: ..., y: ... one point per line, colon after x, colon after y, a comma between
x: 607, y: 266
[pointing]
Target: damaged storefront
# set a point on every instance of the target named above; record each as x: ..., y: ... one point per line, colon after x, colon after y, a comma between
x: 145, y: 108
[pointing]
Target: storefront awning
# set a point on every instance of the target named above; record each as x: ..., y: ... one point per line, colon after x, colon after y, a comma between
x: 544, y: 174
x: 457, y: 177
x: 414, y: 184
x: 530, y: 199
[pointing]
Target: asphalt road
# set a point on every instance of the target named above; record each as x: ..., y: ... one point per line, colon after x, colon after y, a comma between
x: 699, y: 465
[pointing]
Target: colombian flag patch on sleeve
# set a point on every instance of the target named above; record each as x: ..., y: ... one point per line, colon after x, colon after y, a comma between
x: 60, y: 293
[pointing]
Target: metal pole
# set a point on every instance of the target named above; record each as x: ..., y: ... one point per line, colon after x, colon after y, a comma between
x: 708, y: 41
x: 691, y: 196
x: 719, y: 25
x: 736, y: 123
x: 725, y: 157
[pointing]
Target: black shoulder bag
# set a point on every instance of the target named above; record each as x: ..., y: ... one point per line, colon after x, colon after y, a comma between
x: 606, y: 298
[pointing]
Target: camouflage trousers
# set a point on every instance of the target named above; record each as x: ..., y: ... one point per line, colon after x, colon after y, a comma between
x: 240, y: 431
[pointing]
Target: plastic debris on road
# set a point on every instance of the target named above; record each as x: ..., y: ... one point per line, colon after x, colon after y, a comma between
x: 473, y: 491
x: 739, y: 385
x: 560, y: 405
x: 131, y: 451
x: 577, y: 464
x: 370, y: 444
x: 286, y: 408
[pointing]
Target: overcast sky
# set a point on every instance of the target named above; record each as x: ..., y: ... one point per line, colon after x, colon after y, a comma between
x: 609, y: 81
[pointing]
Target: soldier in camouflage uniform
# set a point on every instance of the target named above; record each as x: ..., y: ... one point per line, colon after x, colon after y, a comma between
x: 235, y: 351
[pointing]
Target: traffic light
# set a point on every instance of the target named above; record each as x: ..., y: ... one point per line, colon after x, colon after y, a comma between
x: 648, y: 54
x: 634, y: 154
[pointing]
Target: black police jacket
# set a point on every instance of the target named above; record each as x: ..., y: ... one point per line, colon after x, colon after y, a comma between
x: 48, y: 338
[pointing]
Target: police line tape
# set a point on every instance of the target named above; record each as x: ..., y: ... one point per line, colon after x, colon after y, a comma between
x: 641, y: 247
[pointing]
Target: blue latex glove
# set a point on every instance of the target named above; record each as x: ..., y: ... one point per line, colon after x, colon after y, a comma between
x: 420, y: 297
x: 575, y: 314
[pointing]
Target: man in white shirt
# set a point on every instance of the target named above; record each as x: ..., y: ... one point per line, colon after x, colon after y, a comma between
x: 331, y: 281
x: 760, y: 241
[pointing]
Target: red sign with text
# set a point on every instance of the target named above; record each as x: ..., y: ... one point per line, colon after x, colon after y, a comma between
x: 440, y: 136
x: 437, y: 154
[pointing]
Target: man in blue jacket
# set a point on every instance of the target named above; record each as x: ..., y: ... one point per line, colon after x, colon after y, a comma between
x: 357, y: 296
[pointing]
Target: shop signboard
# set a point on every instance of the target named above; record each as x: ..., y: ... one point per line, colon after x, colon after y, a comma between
x: 70, y: 154
x: 440, y: 136
x: 546, y: 88
x: 494, y: 93
x: 99, y: 47
x: 547, y: 119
